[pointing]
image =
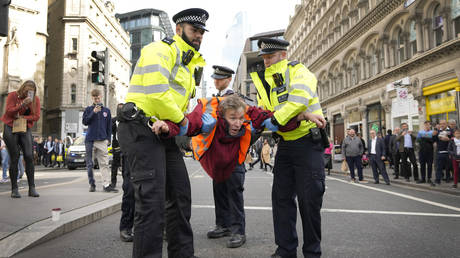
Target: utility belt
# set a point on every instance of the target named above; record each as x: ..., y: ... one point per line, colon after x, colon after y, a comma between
x: 129, y: 112
x: 316, y: 135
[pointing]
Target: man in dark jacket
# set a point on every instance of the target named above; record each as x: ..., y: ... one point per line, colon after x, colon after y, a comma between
x: 442, y: 137
x: 425, y: 138
x: 406, y: 141
x: 99, y: 122
x: 394, y: 148
x: 389, y: 156
x: 353, y: 149
x: 377, y: 156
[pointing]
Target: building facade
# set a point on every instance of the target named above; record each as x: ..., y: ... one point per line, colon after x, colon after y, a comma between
x: 23, y: 50
x: 380, y: 62
x: 77, y: 28
x: 144, y: 27
x: 250, y: 62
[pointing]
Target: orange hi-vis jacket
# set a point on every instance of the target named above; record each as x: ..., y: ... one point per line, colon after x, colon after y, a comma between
x: 202, y: 142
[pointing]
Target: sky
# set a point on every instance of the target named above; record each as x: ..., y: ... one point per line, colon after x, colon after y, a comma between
x: 261, y: 16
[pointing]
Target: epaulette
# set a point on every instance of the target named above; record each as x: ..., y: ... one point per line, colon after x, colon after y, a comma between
x: 293, y: 63
x: 168, y: 41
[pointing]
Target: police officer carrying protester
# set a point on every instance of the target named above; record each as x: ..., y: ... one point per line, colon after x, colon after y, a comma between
x: 162, y: 83
x: 288, y: 88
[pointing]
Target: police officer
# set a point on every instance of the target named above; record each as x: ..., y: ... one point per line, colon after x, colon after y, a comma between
x: 222, y: 77
x: 288, y: 88
x: 161, y: 86
x: 228, y: 195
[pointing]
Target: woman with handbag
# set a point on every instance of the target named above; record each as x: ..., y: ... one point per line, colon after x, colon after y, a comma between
x: 21, y: 112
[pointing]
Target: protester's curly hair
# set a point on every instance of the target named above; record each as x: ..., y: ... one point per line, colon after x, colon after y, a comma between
x: 231, y: 102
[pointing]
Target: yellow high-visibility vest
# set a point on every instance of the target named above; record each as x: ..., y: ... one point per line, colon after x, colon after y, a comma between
x: 162, y: 84
x: 297, y: 94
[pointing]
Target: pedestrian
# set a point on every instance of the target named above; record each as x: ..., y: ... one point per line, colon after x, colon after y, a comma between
x: 454, y: 153
x: 161, y: 86
x: 49, y: 147
x: 55, y: 152
x: 377, y: 156
x: 266, y: 155
x: 328, y: 157
x: 406, y: 140
x: 353, y: 150
x: 452, y: 125
x: 388, y: 154
x: 394, y: 148
x: 40, y: 150
x: 442, y: 137
x: 425, y: 139
x: 258, y: 149
x: 98, y: 137
x: 21, y: 112
x: 5, y: 161
x: 35, y: 150
x: 360, y: 136
x: 289, y: 87
x: 59, y: 152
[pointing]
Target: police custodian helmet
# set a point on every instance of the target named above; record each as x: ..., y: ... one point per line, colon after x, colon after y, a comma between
x: 197, y: 17
x: 221, y: 72
x: 271, y: 45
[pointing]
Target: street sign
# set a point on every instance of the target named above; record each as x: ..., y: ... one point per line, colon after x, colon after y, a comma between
x: 71, y: 127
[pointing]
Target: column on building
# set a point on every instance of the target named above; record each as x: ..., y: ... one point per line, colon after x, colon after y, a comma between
x: 427, y: 33
x: 419, y: 29
x: 386, y: 53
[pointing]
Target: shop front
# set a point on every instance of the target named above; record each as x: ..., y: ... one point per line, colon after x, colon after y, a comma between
x: 339, y: 129
x: 442, y: 100
x: 404, y: 109
x: 355, y: 121
x: 375, y: 119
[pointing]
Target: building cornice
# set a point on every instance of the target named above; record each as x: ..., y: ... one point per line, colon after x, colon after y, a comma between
x: 369, y: 21
x: 23, y: 9
x: 430, y: 56
x: 84, y: 19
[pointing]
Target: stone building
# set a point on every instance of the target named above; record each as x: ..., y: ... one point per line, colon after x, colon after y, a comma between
x: 380, y: 62
x: 23, y: 50
x: 250, y: 62
x: 76, y: 28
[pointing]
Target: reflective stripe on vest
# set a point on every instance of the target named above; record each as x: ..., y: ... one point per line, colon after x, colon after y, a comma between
x: 201, y: 142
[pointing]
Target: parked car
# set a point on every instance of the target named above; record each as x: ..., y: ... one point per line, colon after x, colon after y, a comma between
x: 75, y: 155
x: 337, y: 155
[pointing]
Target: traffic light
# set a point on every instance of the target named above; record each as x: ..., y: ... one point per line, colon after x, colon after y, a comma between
x: 4, y: 8
x: 98, y: 67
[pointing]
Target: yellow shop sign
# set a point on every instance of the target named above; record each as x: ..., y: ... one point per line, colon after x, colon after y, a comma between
x: 442, y: 105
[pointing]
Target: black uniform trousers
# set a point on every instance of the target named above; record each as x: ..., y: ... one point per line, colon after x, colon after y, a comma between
x: 298, y: 172
x: 116, y: 163
x: 409, y: 153
x: 396, y: 162
x: 426, y: 163
x: 127, y: 201
x: 161, y: 184
x: 229, y: 202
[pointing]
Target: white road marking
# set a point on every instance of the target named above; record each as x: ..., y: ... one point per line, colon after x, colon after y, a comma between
x: 399, y: 194
x: 350, y: 211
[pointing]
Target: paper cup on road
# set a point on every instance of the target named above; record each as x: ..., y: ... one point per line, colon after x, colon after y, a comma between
x: 55, y: 214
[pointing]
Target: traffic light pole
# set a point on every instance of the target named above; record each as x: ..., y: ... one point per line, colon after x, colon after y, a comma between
x: 106, y: 80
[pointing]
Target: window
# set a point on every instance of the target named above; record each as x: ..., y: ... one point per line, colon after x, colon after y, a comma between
x: 135, y: 53
x: 413, y: 39
x: 157, y: 35
x: 73, y: 94
x: 400, y: 47
x: 146, y: 36
x: 438, y: 24
x: 254, y: 46
x: 455, y: 7
x: 74, y: 44
x: 155, y: 21
x: 135, y: 37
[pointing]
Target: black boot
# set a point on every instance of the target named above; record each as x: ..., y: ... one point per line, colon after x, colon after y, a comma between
x: 15, y: 193
x: 219, y: 232
x: 32, y: 192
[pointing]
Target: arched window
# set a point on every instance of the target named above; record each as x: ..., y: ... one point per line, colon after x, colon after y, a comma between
x: 413, y: 39
x: 455, y: 7
x: 438, y: 24
x: 73, y: 93
x: 400, y: 47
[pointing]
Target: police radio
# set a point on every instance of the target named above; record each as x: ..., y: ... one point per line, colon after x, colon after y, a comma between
x: 187, y: 57
x: 278, y: 78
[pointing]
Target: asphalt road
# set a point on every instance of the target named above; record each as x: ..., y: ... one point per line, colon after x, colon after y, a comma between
x: 358, y: 220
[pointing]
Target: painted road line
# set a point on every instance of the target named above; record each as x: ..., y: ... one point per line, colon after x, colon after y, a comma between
x: 49, y: 186
x: 399, y: 194
x: 350, y: 211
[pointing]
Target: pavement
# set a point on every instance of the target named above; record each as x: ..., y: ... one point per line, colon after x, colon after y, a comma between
x: 26, y: 221
x: 359, y: 220
x: 367, y: 172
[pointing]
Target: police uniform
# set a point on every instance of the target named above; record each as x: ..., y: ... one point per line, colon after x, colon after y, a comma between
x: 222, y: 72
x: 161, y: 86
x: 288, y: 88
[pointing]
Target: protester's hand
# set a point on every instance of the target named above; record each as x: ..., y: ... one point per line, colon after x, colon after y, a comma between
x: 269, y: 125
x: 208, y: 123
x: 160, y: 127
x: 183, y: 127
x: 27, y: 101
